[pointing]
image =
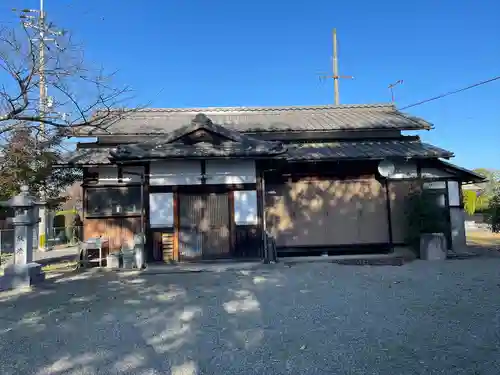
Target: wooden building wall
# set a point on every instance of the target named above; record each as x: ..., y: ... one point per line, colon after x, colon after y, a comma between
x: 343, y: 204
x: 326, y: 212
x: 307, y: 205
x: 112, y: 205
x: 119, y: 231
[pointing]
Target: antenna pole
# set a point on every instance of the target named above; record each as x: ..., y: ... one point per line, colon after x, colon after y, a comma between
x: 391, y: 87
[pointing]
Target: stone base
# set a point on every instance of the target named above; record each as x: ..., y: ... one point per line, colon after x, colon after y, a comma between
x: 21, y: 276
x: 433, y: 246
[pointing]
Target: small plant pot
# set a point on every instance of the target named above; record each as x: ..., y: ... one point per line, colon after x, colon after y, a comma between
x: 113, y: 260
x: 128, y: 259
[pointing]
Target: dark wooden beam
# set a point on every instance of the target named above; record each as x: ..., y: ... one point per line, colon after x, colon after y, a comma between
x: 203, y: 172
x: 175, y: 255
x: 260, y: 208
x: 120, y: 173
x: 147, y: 225
x: 232, y: 224
x: 313, y: 135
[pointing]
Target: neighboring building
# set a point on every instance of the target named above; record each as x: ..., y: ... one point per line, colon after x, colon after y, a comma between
x: 216, y: 178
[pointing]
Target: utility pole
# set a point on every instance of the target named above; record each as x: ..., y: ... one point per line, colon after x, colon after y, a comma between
x: 43, y: 89
x: 391, y: 87
x: 36, y: 19
x: 335, y: 69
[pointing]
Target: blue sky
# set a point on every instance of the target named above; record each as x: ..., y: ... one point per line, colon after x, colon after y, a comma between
x: 227, y: 53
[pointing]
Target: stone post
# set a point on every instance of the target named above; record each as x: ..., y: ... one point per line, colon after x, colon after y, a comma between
x: 42, y: 235
x: 433, y: 246
x: 23, y: 272
x: 139, y: 250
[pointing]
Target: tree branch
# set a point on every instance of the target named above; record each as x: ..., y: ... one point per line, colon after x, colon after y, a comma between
x: 79, y: 97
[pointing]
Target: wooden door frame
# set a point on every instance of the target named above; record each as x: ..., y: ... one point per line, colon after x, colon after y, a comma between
x: 202, y: 191
x: 177, y: 190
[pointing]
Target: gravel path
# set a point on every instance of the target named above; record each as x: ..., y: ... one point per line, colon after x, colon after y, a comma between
x: 421, y: 318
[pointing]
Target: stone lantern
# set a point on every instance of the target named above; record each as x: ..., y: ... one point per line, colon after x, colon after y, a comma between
x: 23, y: 272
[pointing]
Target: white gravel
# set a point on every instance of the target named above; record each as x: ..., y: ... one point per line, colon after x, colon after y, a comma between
x: 421, y: 318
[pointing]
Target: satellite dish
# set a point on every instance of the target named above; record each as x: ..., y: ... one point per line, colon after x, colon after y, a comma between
x: 386, y: 168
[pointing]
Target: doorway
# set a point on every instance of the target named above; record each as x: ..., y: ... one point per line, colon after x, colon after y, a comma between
x: 204, y: 226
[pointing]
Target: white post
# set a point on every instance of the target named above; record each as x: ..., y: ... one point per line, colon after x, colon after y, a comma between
x: 42, y: 233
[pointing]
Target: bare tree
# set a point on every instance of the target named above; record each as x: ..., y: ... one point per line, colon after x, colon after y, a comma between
x: 79, y: 95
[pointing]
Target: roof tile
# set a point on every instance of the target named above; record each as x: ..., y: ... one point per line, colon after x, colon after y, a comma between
x: 261, y: 119
x: 365, y: 150
x: 304, y: 152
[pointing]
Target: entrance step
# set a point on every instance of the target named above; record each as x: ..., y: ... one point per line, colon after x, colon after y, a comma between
x: 398, y: 257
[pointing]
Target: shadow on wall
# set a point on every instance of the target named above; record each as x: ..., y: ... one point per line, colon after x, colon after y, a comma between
x: 327, y: 212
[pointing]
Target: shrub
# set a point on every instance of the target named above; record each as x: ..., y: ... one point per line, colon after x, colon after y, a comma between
x: 493, y: 213
x: 475, y: 201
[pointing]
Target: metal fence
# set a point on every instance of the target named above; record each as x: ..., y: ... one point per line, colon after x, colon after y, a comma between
x: 57, y: 237
x: 65, y: 236
x: 6, y: 241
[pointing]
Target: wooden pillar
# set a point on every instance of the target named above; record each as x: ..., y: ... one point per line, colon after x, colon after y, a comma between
x: 147, y: 226
x: 84, y: 205
x: 232, y: 225
x: 261, y: 209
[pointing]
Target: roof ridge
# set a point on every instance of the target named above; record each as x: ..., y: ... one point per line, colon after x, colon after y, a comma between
x: 261, y: 108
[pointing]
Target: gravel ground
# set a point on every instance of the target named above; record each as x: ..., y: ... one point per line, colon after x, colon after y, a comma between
x: 421, y: 318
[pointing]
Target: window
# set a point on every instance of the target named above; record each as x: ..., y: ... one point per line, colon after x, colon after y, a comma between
x: 454, y: 193
x: 113, y: 201
x: 245, y: 207
x: 161, y: 210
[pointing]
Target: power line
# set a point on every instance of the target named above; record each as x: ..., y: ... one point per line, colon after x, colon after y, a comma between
x: 451, y: 92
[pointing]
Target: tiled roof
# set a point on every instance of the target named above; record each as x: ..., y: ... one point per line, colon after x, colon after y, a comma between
x: 233, y: 144
x: 89, y: 156
x: 305, y: 152
x: 261, y: 119
x: 365, y: 150
x: 465, y: 174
